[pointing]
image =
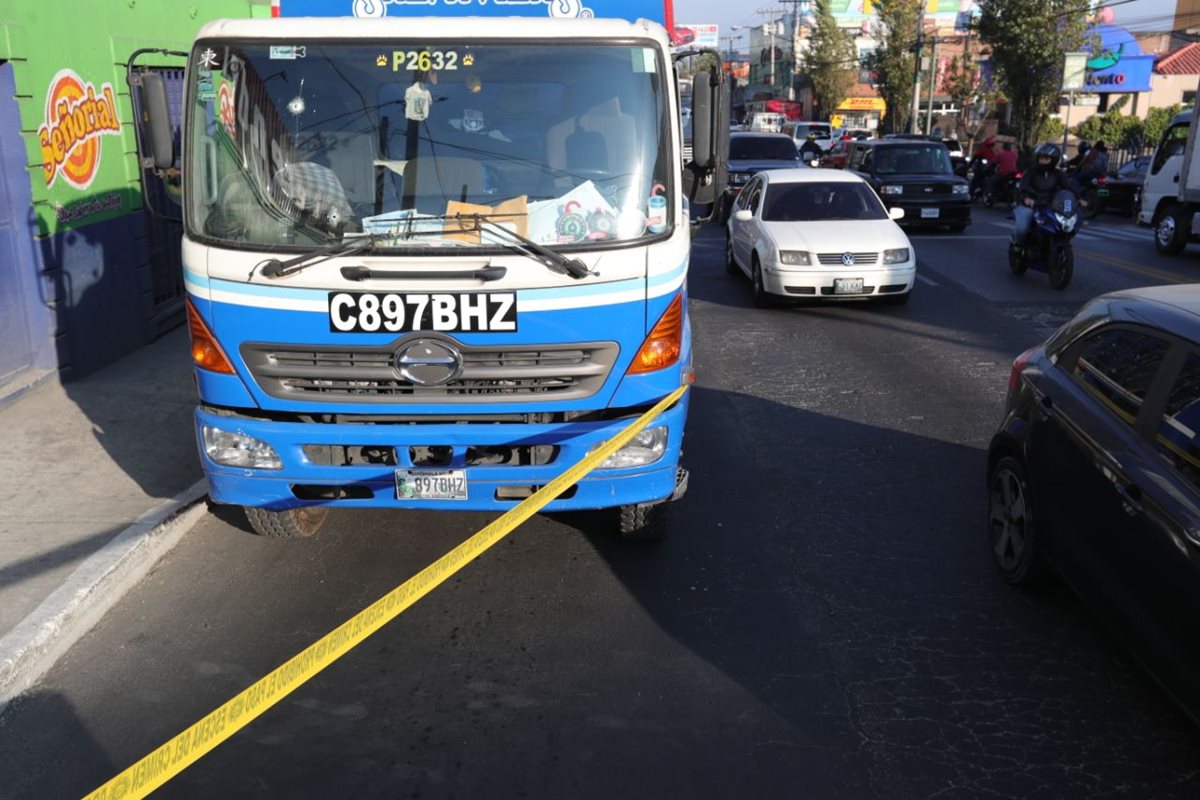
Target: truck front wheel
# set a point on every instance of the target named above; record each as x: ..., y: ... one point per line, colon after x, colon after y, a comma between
x: 293, y: 523
x: 1171, y: 230
x: 644, y: 522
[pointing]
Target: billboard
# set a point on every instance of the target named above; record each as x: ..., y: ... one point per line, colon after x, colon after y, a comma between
x: 697, y: 35
x: 944, y: 12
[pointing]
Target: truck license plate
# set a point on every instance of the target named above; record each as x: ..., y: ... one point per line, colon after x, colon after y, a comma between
x: 847, y: 285
x: 930, y: 213
x: 431, y: 484
x: 401, y: 312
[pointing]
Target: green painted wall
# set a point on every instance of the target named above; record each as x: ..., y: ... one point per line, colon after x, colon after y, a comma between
x: 81, y: 149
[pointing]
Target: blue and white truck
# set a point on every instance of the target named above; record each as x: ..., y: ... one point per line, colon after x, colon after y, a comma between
x: 432, y: 261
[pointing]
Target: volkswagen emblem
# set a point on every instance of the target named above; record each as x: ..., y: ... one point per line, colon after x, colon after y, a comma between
x: 428, y: 362
x: 848, y: 259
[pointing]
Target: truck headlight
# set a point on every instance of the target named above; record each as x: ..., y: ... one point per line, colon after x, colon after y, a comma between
x: 239, y: 450
x: 795, y: 258
x: 645, y: 448
x: 891, y: 189
x: 960, y: 188
x: 897, y: 256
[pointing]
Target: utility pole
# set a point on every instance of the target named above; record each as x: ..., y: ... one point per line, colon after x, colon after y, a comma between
x: 932, y: 86
x: 916, y: 101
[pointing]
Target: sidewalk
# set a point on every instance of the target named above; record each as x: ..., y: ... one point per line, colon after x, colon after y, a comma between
x: 89, y: 472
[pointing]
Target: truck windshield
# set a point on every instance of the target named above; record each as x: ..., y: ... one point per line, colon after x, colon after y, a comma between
x: 304, y: 143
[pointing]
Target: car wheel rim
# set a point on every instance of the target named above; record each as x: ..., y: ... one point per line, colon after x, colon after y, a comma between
x: 1008, y: 520
x: 1166, y: 230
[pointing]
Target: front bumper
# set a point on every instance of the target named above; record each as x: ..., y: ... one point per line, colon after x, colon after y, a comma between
x: 373, y: 485
x: 948, y: 213
x: 817, y: 283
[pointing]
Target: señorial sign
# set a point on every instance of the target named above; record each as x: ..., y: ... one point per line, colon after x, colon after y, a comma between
x: 77, y: 115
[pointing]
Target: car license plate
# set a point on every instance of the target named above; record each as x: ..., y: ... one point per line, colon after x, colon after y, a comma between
x: 1102, y: 192
x: 847, y: 286
x: 401, y: 312
x: 431, y: 484
x: 930, y: 213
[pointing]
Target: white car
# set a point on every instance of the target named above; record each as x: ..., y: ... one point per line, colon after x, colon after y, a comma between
x: 819, y: 234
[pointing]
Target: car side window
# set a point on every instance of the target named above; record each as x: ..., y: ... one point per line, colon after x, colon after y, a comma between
x: 1117, y: 366
x: 743, y: 200
x: 1176, y: 439
x: 1173, y: 143
x: 867, y: 160
x: 755, y: 196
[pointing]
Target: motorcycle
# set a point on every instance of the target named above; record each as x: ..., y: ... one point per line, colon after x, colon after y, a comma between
x: 1048, y: 248
x: 1003, y: 191
x: 981, y: 172
x: 1093, y: 196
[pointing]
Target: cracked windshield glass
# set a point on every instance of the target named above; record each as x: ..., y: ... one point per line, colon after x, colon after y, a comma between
x: 305, y: 144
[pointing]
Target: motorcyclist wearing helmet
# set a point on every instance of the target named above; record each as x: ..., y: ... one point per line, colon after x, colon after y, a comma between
x: 1037, y: 188
x: 1081, y: 151
x: 810, y: 150
x: 1093, y: 165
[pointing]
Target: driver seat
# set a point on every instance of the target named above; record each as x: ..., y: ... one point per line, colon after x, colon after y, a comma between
x: 595, y: 140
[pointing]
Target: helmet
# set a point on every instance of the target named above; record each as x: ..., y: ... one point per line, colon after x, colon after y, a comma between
x: 1083, y: 146
x: 1103, y: 148
x: 1050, y: 151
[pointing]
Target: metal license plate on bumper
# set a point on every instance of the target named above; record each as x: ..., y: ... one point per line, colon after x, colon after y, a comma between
x: 431, y: 484
x: 847, y: 285
x: 402, y: 312
x: 930, y: 213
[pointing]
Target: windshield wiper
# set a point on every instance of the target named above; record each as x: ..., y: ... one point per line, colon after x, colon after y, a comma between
x: 550, y: 258
x: 274, y: 268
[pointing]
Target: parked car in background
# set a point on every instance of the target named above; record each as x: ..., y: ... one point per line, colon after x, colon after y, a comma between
x: 818, y: 234
x: 1125, y: 185
x: 750, y: 153
x: 915, y: 175
x: 1094, y: 473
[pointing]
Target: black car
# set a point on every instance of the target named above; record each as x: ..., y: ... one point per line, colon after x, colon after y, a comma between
x: 754, y: 152
x: 1125, y: 186
x: 915, y: 175
x: 1095, y: 472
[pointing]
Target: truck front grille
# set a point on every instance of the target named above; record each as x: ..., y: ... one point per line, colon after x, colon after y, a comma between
x: 322, y: 373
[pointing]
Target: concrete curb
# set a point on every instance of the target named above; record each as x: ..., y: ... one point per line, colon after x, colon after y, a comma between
x: 38, y: 641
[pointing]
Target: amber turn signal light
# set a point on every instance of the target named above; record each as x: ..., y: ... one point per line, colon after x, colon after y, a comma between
x: 662, y: 347
x: 206, y: 353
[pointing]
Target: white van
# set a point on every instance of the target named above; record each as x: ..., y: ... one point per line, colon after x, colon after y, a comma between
x: 799, y: 131
x: 767, y: 122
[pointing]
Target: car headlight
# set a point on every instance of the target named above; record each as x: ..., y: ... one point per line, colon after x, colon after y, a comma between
x: 645, y: 448
x: 897, y: 256
x: 239, y: 450
x: 739, y: 177
x: 795, y: 258
x: 892, y: 189
x: 960, y: 188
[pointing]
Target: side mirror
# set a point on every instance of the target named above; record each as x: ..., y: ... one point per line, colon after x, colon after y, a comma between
x: 704, y: 174
x: 156, y: 120
x: 895, y: 212
x: 743, y: 215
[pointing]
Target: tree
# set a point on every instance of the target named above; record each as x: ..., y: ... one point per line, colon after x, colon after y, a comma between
x: 893, y: 62
x: 1029, y: 39
x: 831, y: 61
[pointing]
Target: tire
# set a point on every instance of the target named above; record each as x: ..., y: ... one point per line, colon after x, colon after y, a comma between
x: 730, y: 264
x: 989, y: 199
x: 1061, y: 266
x: 1016, y: 264
x: 294, y: 523
x: 643, y: 523
x: 1169, y: 236
x: 1093, y: 207
x: 725, y: 209
x: 1012, y: 535
x: 762, y: 298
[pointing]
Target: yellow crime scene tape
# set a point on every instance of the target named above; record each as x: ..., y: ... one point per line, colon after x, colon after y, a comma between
x: 179, y: 753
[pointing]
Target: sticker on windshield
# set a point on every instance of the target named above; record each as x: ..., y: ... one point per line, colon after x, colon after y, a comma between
x: 644, y: 60
x: 400, y: 312
x: 426, y: 60
x: 287, y: 52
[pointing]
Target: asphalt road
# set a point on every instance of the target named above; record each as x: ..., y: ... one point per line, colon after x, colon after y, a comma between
x: 824, y: 620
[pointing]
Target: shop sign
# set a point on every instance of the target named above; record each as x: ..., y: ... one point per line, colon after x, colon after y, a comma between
x: 77, y: 116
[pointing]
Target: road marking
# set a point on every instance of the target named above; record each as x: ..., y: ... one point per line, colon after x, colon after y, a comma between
x: 174, y: 756
x: 1121, y: 263
x: 929, y: 281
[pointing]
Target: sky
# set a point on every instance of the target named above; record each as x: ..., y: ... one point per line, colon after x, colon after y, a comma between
x: 1143, y: 15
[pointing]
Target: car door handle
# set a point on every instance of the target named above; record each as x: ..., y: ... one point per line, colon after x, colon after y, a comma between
x: 1175, y: 179
x: 1045, y: 403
